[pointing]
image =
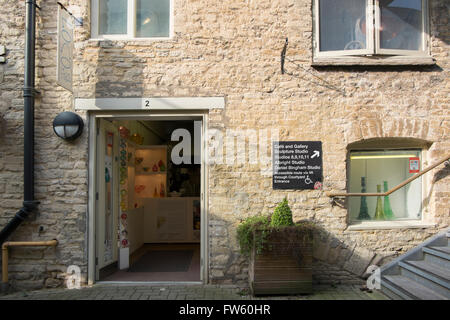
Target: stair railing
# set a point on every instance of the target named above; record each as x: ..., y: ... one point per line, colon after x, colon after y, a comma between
x: 404, y: 183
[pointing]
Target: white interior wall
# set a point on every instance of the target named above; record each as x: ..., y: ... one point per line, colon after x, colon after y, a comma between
x: 405, y: 203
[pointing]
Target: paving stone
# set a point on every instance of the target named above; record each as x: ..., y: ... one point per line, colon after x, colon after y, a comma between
x: 214, y: 292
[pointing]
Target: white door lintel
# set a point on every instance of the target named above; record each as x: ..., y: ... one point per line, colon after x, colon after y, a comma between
x: 167, y: 103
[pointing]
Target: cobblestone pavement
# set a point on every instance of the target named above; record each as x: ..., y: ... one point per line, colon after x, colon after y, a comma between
x: 185, y: 292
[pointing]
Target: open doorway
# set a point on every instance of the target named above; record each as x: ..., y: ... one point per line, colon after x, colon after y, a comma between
x: 148, y: 200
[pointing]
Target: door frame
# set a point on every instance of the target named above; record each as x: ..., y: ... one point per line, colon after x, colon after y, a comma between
x: 92, y: 154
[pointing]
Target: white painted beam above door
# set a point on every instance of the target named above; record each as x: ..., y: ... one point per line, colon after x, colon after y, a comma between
x: 167, y: 103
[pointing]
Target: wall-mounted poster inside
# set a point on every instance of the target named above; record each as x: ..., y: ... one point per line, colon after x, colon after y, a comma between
x: 414, y: 165
x: 297, y: 165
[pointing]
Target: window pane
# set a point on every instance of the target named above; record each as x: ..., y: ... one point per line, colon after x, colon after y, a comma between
x: 342, y: 24
x: 153, y: 18
x: 113, y: 16
x: 368, y: 169
x: 401, y: 24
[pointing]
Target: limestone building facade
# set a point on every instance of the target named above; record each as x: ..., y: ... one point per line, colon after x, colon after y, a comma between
x: 306, y: 88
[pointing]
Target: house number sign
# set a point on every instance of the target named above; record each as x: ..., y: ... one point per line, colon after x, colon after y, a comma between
x: 297, y: 165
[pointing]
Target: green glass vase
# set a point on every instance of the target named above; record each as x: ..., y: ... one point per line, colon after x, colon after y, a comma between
x: 387, y: 204
x: 363, y: 209
x: 379, y: 213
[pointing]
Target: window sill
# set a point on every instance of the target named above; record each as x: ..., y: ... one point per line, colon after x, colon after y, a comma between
x: 373, y: 61
x: 138, y: 41
x: 383, y: 225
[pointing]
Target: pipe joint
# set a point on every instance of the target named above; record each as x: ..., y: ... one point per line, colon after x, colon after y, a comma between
x: 30, y: 205
x: 30, y: 92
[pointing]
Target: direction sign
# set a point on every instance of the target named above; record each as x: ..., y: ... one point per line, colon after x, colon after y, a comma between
x: 297, y: 165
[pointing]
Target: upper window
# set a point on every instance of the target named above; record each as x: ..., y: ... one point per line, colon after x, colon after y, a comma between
x: 117, y: 19
x: 370, y: 27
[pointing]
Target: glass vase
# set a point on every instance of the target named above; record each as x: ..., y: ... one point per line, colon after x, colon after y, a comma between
x: 379, y: 214
x: 363, y: 209
x: 387, y: 204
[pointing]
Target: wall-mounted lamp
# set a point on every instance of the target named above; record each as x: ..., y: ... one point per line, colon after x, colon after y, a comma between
x: 68, y: 125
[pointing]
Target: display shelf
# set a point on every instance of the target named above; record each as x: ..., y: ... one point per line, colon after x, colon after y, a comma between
x: 150, y: 173
x: 151, y: 156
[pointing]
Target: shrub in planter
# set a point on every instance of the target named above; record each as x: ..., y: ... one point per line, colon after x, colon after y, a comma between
x: 279, y: 252
x: 282, y: 216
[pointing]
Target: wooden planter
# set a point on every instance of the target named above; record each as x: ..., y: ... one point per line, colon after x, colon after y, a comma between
x: 285, y: 267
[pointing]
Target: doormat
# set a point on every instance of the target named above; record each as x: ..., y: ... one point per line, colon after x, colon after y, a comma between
x: 163, y: 261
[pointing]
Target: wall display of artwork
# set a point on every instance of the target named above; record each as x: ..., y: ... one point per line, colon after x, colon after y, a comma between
x: 123, y: 170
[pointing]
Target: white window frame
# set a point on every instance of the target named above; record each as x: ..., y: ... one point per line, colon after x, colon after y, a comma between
x: 425, y: 30
x: 373, y: 36
x: 131, y: 23
x: 422, y: 222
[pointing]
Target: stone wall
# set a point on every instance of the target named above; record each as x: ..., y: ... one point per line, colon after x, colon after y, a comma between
x: 230, y: 49
x: 60, y: 167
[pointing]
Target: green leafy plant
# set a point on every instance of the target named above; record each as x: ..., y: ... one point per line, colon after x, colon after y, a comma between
x: 253, y: 230
x: 259, y: 231
x: 282, y: 216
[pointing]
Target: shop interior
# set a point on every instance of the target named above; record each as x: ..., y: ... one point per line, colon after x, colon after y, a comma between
x: 158, y: 221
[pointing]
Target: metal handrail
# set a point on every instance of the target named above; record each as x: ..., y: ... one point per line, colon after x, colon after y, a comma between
x: 6, y: 245
x: 417, y: 175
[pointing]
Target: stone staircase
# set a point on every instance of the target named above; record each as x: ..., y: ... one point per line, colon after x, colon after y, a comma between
x: 423, y: 273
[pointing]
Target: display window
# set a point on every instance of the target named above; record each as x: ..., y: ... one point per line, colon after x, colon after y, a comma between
x: 378, y: 171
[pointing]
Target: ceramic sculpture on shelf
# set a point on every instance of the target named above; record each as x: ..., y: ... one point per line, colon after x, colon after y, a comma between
x: 138, y: 160
x: 363, y: 209
x: 387, y: 204
x: 124, y: 132
x: 137, y: 138
x: 161, y: 166
x: 139, y: 188
x: 155, y: 168
x: 379, y: 214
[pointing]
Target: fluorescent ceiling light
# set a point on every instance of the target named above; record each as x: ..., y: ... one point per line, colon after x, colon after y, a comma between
x: 394, y: 156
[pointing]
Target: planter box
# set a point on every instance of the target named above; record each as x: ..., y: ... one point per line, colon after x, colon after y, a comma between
x: 284, y: 268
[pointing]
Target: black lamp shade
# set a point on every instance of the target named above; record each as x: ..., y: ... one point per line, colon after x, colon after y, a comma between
x: 68, y: 125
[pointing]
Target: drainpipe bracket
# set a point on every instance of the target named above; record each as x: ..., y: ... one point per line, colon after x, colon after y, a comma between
x: 30, y: 205
x: 30, y: 92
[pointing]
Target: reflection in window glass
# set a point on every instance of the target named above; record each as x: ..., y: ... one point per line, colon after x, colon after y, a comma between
x: 152, y: 18
x: 369, y: 169
x: 401, y: 24
x: 113, y: 16
x: 342, y: 25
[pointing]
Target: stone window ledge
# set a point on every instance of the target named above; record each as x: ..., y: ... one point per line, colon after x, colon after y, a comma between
x: 383, y: 225
x: 373, y: 61
x: 130, y: 41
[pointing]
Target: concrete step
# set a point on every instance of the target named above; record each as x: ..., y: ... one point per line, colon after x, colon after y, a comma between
x: 428, y: 275
x: 436, y: 270
x: 443, y: 249
x: 409, y: 289
x: 392, y: 293
x: 437, y: 257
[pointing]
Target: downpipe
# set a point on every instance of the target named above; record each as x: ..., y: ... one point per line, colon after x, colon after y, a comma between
x: 29, y: 203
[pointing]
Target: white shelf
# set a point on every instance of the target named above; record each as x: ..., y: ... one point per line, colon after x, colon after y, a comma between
x: 150, y: 173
